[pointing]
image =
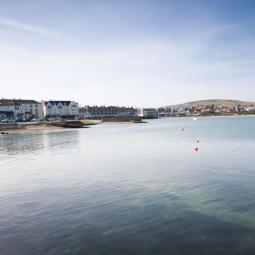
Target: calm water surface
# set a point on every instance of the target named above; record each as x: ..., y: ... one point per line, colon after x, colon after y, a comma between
x: 124, y: 189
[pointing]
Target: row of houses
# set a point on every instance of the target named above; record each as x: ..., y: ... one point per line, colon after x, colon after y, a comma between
x: 64, y: 109
x: 99, y: 112
x: 20, y: 109
x: 119, y: 112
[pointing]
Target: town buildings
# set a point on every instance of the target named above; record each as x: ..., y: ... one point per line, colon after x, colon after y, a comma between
x: 31, y: 108
x: 251, y: 109
x: 10, y: 110
x: 148, y: 113
x: 206, y: 110
x: 20, y: 109
x: 63, y: 109
x: 103, y: 112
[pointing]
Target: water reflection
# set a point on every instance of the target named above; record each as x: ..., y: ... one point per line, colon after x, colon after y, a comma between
x: 21, y: 143
x: 34, y: 142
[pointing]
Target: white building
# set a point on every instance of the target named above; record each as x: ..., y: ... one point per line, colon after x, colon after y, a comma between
x: 21, y: 109
x: 31, y: 108
x: 60, y: 108
x: 148, y: 113
x: 10, y: 110
x: 251, y: 108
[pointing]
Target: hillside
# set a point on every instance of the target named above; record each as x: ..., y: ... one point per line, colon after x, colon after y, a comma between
x: 216, y: 102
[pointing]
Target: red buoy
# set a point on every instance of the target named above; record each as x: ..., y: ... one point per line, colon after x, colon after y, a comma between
x: 196, y: 149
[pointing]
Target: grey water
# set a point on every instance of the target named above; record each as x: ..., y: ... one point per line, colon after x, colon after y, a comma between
x: 129, y: 189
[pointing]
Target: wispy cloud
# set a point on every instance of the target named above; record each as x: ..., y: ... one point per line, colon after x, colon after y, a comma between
x: 13, y: 24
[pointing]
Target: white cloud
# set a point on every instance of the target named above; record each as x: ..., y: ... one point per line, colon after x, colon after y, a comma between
x: 13, y: 24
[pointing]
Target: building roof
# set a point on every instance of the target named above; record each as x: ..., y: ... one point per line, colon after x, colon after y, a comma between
x: 26, y: 101
x: 17, y: 101
x: 53, y: 102
x: 8, y: 103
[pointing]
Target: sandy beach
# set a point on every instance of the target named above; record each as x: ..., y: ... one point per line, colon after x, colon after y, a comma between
x: 35, y: 127
x: 30, y: 128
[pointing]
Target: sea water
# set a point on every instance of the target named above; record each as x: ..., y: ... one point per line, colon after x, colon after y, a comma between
x: 124, y: 189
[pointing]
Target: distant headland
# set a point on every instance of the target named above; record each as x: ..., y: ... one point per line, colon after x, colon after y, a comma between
x: 209, y: 107
x: 216, y: 102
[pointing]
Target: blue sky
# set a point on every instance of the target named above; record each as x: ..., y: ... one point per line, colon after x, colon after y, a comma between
x: 141, y: 53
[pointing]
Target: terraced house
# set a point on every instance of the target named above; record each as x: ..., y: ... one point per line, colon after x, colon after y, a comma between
x: 21, y: 108
x: 60, y: 108
x: 31, y: 108
x: 10, y: 110
x: 98, y: 112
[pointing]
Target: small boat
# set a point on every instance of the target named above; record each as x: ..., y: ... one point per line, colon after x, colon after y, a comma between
x: 195, y: 118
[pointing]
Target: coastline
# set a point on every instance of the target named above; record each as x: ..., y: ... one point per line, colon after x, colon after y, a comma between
x: 30, y: 127
x: 24, y: 127
x: 210, y: 116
